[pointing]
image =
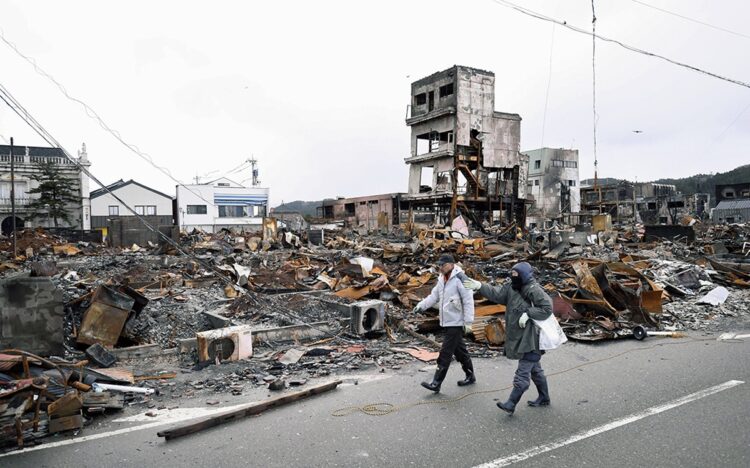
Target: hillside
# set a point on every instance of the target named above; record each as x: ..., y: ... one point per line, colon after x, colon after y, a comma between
x: 305, y: 208
x: 708, y: 182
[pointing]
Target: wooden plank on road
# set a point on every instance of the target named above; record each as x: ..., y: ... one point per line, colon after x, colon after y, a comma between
x: 250, y: 409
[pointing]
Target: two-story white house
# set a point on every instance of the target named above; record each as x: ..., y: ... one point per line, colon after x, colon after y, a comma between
x: 221, y: 203
x: 144, y: 200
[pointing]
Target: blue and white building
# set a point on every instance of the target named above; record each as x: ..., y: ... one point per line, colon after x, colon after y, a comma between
x: 221, y: 203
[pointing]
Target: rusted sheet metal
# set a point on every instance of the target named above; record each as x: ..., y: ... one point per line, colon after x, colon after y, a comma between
x: 494, y: 309
x: 585, y: 279
x: 104, y: 319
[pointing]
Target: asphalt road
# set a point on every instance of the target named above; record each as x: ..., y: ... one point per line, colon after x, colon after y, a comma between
x: 678, y: 403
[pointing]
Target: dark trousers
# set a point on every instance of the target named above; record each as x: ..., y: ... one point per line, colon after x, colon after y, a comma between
x: 529, y: 368
x: 453, y: 345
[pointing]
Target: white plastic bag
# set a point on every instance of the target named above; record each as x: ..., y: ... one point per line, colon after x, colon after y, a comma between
x: 551, y: 335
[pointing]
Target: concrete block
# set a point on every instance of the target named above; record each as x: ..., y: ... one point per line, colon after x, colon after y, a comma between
x: 31, y: 315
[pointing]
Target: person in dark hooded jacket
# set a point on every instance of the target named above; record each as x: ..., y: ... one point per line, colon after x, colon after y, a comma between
x: 524, y: 299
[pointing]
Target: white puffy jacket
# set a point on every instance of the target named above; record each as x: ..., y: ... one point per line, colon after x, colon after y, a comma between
x: 455, y: 302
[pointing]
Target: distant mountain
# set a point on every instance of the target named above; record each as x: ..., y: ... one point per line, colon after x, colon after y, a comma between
x: 706, y: 183
x: 601, y: 181
x: 305, y: 208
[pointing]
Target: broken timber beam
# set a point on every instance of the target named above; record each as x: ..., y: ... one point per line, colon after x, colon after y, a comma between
x: 421, y: 337
x: 250, y: 409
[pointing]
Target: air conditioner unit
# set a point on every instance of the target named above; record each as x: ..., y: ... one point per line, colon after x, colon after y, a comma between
x: 367, y: 316
x: 225, y: 344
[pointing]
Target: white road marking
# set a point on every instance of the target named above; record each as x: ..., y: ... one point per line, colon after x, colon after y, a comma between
x: 170, y: 417
x: 732, y: 336
x: 532, y: 452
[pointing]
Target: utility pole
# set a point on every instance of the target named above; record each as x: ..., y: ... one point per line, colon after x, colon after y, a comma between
x: 13, y: 198
x: 254, y: 167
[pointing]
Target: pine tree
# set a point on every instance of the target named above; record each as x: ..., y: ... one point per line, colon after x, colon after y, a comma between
x: 56, y: 193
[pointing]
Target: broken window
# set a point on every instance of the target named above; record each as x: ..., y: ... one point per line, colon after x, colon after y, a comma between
x: 538, y: 164
x: 446, y: 90
x: 114, y: 210
x: 426, y: 178
x: 571, y: 164
x: 652, y: 205
x: 536, y: 182
x: 420, y: 99
x: 431, y: 100
x: 197, y: 209
x: 557, y: 163
x: 571, y: 183
x: 349, y: 208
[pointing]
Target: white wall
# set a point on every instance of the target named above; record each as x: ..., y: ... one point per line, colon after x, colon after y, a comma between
x: 134, y: 195
x: 204, y: 195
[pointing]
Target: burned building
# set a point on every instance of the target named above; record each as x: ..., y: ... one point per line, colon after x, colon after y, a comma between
x: 465, y: 156
x: 648, y: 203
x: 553, y: 184
x: 732, y: 192
x: 370, y: 213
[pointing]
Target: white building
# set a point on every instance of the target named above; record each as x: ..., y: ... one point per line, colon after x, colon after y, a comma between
x: 219, y: 204
x: 553, y: 183
x: 144, y: 200
x: 27, y: 160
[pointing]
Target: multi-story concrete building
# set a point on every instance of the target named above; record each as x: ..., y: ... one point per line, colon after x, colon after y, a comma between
x: 465, y: 155
x: 26, y: 161
x: 553, y: 183
x: 219, y: 204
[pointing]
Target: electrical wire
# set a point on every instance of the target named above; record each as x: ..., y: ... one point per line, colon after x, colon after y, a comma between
x: 16, y: 107
x: 92, y: 114
x: 565, y: 24
x: 549, y: 83
x: 718, y: 28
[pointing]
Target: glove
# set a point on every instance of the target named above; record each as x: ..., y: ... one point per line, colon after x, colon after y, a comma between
x: 522, y: 321
x: 467, y: 329
x: 416, y: 309
x: 471, y: 284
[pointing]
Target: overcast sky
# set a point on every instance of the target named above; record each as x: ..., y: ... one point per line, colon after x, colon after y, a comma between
x: 317, y: 91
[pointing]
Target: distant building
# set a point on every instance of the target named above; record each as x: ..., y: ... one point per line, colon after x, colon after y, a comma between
x: 553, y: 183
x: 144, y: 200
x: 371, y: 213
x: 219, y: 204
x: 465, y: 156
x: 27, y: 159
x: 732, y: 192
x: 732, y: 211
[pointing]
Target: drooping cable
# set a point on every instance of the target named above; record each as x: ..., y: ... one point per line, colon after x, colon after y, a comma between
x: 565, y: 24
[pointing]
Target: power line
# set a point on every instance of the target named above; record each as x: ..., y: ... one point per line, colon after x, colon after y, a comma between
x: 16, y: 107
x: 92, y: 114
x: 718, y: 28
x: 549, y: 83
x: 542, y: 17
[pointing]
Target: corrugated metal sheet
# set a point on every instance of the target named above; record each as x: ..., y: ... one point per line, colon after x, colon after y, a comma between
x: 733, y: 204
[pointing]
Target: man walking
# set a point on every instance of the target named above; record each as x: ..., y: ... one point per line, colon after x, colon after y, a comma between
x: 524, y: 299
x: 456, y: 305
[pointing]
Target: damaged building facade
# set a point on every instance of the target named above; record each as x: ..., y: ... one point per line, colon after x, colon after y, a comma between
x: 553, y: 184
x: 465, y: 156
x: 648, y: 203
x: 372, y: 213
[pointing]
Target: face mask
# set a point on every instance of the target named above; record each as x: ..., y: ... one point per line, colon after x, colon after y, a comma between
x: 516, y: 282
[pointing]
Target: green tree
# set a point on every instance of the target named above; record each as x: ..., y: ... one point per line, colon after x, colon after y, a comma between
x: 56, y: 193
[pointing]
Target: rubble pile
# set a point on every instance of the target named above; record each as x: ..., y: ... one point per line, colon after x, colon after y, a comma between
x: 145, y: 325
